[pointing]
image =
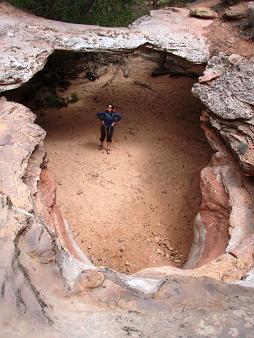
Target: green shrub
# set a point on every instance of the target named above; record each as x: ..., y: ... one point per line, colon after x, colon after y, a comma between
x: 116, y: 12
x: 102, y: 12
x: 173, y: 2
x: 51, y: 100
x: 73, y: 98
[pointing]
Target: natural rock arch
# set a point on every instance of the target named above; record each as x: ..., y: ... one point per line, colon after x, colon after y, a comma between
x: 32, y: 253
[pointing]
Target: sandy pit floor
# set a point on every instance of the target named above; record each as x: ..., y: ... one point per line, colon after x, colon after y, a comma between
x: 134, y: 208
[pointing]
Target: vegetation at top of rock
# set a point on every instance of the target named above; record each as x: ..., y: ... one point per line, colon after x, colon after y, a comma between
x: 50, y: 100
x: 73, y: 98
x: 97, y: 12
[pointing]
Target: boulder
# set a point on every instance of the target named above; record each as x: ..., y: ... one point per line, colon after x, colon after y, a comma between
x: 203, y: 12
x: 231, y: 95
x: 230, y: 100
x: 239, y: 136
x: 236, y: 12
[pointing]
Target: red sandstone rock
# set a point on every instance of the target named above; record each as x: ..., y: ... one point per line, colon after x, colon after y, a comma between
x: 88, y: 279
x: 41, y: 267
x: 238, y: 11
x: 38, y: 279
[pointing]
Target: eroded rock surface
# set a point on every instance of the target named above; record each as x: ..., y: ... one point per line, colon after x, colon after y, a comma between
x: 45, y: 288
x: 203, y: 12
x: 225, y: 218
x: 227, y: 90
x: 230, y: 100
x: 230, y: 96
x: 47, y: 285
x: 238, y: 11
x: 19, y: 137
x: 27, y: 41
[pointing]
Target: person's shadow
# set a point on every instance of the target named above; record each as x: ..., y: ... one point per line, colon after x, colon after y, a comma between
x: 90, y: 145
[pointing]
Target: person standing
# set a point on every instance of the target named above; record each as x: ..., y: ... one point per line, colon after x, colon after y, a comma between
x: 108, y: 120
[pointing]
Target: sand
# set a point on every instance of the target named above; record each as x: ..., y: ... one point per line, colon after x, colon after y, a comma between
x: 135, y: 207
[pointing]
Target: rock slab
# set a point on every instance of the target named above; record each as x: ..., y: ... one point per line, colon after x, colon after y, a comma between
x: 26, y: 41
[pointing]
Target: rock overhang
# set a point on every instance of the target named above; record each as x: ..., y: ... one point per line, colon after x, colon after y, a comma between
x: 64, y: 271
x: 27, y: 41
x: 228, y: 96
x: 171, y: 30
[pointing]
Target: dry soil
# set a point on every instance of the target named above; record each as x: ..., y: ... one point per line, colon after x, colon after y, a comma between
x: 135, y: 207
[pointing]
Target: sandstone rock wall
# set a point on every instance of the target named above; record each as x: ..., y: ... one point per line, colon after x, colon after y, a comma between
x: 47, y: 291
x: 227, y: 90
x: 230, y: 100
x: 27, y: 41
x: 47, y: 285
x: 43, y: 284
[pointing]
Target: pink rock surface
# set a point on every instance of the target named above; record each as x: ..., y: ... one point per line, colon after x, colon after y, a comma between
x: 226, y: 212
x: 47, y: 287
x: 209, y: 77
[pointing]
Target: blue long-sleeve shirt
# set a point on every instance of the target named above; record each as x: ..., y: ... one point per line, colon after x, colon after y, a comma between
x: 109, y: 118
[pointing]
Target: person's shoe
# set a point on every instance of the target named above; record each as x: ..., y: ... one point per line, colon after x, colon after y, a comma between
x: 100, y: 146
x: 108, y: 151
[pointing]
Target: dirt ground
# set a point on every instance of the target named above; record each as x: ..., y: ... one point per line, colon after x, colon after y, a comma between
x: 228, y: 36
x: 134, y: 208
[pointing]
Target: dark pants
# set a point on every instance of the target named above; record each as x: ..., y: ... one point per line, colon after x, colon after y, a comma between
x: 106, y: 131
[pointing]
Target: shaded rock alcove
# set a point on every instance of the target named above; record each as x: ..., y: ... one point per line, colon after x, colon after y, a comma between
x: 135, y: 208
x: 47, y: 284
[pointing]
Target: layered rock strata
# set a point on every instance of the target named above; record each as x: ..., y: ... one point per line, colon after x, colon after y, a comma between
x: 26, y: 41
x: 230, y: 100
x: 227, y: 90
x: 44, y: 288
x: 46, y: 283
